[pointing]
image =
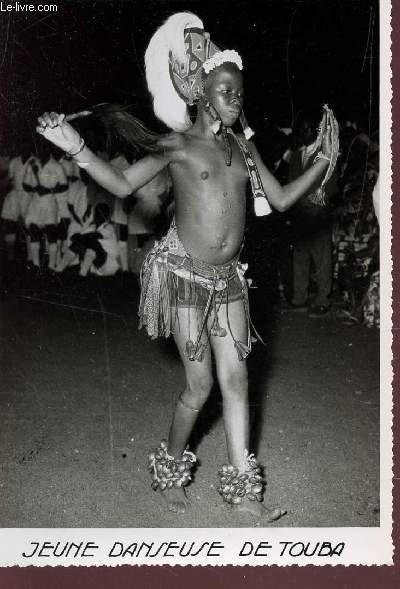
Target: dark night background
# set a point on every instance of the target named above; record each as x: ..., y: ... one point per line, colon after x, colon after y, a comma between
x: 295, y: 53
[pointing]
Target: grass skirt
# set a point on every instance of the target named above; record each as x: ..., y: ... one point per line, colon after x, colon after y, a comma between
x: 172, y: 279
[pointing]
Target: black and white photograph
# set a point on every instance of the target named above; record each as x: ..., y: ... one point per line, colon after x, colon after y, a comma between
x: 194, y: 244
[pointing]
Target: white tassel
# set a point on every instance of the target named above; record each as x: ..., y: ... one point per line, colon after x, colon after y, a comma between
x: 261, y: 206
x: 247, y: 130
x: 248, y: 133
x: 215, y: 127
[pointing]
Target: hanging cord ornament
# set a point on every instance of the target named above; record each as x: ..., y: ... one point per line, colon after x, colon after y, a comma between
x: 218, y: 127
x: 261, y: 204
x: 328, y: 124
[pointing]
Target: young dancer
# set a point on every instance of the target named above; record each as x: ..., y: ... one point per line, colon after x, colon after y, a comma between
x: 192, y: 281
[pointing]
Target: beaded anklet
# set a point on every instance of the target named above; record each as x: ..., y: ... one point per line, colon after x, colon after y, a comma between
x: 235, y: 487
x: 167, y: 471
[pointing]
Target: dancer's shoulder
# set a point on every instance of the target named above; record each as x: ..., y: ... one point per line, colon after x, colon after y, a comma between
x: 172, y: 141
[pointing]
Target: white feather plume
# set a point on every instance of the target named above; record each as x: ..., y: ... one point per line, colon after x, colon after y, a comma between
x: 168, y: 106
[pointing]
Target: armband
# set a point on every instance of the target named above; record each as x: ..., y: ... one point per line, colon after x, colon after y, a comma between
x: 80, y: 148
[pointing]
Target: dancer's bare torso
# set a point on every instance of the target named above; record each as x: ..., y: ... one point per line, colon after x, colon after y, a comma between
x: 210, y: 197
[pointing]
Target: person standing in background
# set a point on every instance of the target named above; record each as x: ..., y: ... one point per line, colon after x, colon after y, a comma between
x: 44, y: 178
x: 311, y: 225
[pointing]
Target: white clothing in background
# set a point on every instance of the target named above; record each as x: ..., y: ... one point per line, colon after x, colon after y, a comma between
x: 16, y: 202
x: 43, y: 209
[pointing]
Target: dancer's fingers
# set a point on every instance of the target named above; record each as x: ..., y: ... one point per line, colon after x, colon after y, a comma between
x: 51, y: 120
x: 54, y: 119
x: 46, y: 118
x: 42, y: 122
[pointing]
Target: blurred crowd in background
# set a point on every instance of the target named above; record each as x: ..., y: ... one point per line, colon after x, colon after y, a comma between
x: 56, y: 220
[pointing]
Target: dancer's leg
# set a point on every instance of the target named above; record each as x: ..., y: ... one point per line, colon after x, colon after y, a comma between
x: 233, y: 381
x: 198, y: 386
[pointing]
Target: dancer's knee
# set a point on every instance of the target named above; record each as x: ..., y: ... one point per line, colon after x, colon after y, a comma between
x: 197, y: 391
x: 234, y: 384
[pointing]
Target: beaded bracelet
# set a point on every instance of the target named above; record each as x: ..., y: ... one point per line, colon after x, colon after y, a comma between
x: 321, y: 156
x: 80, y: 148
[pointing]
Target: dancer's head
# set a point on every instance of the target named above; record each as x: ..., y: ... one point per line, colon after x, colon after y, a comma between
x: 184, y: 68
x: 223, y: 88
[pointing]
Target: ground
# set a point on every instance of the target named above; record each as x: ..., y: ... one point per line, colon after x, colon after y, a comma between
x: 85, y: 397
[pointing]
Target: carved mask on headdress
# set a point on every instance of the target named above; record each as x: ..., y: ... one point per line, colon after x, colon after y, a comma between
x: 201, y: 56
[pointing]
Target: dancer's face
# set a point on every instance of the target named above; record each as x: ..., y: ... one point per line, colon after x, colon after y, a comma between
x: 223, y: 87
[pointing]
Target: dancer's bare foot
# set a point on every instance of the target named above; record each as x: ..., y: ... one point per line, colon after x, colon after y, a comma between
x: 260, y: 511
x: 175, y: 499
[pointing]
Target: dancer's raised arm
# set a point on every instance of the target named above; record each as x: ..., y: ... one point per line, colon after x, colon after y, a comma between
x: 283, y: 197
x: 57, y: 130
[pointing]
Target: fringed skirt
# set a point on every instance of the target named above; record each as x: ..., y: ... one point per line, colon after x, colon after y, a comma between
x: 171, y: 279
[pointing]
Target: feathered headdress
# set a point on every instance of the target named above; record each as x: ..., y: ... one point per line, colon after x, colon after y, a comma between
x: 169, y: 107
x: 178, y: 54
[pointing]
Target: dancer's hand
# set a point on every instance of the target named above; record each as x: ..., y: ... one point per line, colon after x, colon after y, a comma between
x: 55, y: 129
